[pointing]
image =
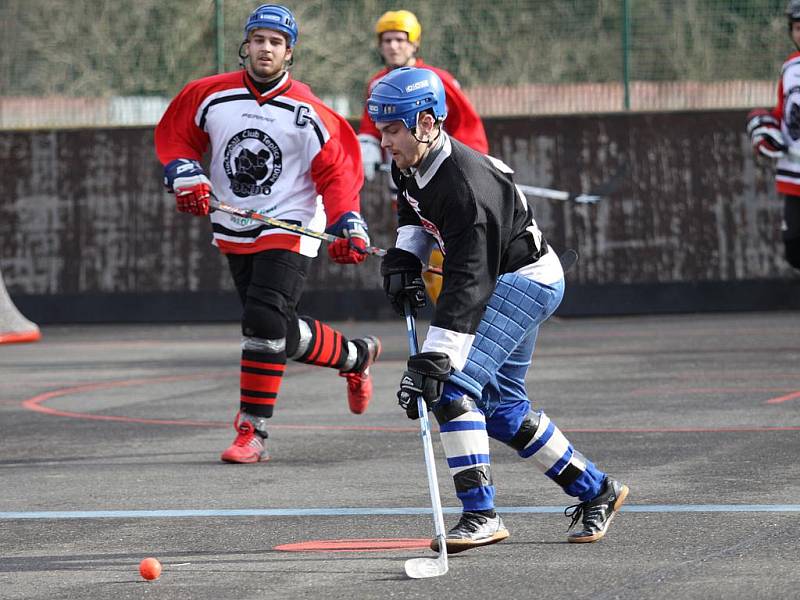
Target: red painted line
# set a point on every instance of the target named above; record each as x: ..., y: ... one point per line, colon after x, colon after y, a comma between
x: 35, y: 404
x: 356, y: 545
x: 755, y: 429
x: 781, y: 399
x: 667, y: 389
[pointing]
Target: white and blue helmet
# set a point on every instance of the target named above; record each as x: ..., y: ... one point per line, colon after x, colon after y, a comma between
x: 404, y: 93
x: 275, y: 17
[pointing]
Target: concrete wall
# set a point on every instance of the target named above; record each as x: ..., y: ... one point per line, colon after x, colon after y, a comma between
x: 87, y: 233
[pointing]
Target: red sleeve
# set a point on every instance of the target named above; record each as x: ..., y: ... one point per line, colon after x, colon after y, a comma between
x: 777, y: 112
x: 367, y: 126
x: 462, y: 122
x: 336, y: 170
x: 177, y: 135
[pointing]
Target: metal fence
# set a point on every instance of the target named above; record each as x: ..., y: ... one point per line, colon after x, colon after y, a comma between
x: 104, y: 62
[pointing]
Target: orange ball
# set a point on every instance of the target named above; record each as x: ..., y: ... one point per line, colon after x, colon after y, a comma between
x: 150, y: 568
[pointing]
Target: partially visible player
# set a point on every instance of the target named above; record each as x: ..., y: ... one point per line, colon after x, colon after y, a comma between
x: 14, y: 327
x: 276, y: 149
x: 775, y: 134
x: 399, y: 35
x: 501, y: 281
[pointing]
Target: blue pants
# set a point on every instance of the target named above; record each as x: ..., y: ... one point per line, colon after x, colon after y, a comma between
x: 496, y: 368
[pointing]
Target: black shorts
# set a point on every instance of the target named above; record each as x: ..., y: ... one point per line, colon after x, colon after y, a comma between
x: 269, y: 282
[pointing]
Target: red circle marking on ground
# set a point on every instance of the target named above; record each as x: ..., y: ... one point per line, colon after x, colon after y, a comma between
x: 356, y: 545
x: 36, y: 404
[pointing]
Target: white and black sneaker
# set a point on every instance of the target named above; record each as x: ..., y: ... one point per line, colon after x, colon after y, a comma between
x: 473, y: 530
x: 596, y: 514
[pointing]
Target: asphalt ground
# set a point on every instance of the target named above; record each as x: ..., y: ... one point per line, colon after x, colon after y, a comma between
x: 109, y: 452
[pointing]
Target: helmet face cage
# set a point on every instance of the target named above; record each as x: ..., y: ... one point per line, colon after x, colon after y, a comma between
x: 405, y: 93
x: 275, y: 17
x: 399, y: 20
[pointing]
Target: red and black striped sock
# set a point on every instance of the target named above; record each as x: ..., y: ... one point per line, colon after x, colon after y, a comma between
x: 260, y: 381
x: 327, y: 348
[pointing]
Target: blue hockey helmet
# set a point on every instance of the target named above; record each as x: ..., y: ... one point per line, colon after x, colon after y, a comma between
x: 275, y: 17
x: 404, y: 93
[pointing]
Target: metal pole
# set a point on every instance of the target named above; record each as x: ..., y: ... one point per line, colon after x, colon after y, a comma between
x: 626, y: 51
x: 219, y: 24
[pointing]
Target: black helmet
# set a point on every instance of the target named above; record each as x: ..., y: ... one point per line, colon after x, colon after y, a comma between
x: 793, y: 11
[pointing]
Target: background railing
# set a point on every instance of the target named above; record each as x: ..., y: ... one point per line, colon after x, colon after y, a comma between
x: 102, y: 62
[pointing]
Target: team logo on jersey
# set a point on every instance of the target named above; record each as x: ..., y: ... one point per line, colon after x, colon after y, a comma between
x: 427, y: 225
x: 253, y: 163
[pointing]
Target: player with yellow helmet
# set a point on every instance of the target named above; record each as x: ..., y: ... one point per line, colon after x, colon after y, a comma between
x: 398, y: 36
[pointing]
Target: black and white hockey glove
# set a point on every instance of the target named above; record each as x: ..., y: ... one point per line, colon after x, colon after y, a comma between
x: 765, y: 134
x: 424, y: 376
x: 402, y: 280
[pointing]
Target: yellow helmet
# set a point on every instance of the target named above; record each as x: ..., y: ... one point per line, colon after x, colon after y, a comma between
x: 399, y: 20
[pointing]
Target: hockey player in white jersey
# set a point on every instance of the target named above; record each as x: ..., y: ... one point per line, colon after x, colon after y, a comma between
x: 775, y: 134
x: 501, y: 280
x: 278, y: 150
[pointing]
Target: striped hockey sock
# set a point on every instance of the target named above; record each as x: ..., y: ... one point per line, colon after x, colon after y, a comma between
x: 541, y: 440
x: 260, y: 381
x: 463, y: 432
x: 325, y: 346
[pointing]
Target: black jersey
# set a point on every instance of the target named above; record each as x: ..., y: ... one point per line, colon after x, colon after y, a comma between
x: 469, y: 204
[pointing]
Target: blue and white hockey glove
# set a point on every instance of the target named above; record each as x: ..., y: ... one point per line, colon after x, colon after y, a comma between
x: 186, y: 179
x: 424, y: 376
x: 351, y: 249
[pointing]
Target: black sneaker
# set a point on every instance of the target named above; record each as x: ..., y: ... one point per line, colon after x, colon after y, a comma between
x: 596, y: 514
x: 473, y: 530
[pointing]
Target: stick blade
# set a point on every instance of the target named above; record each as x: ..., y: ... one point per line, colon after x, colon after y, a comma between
x: 568, y: 259
x: 423, y: 568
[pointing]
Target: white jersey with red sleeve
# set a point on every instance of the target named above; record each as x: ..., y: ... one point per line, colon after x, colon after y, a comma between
x: 283, y: 154
x: 787, y: 111
x: 462, y: 122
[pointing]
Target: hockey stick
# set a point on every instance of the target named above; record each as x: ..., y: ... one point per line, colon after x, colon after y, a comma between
x: 567, y: 259
x: 602, y: 191
x: 421, y: 568
x: 539, y: 192
x: 246, y: 213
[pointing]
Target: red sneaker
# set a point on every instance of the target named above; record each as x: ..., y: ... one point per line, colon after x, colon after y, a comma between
x: 248, y: 447
x: 359, y: 383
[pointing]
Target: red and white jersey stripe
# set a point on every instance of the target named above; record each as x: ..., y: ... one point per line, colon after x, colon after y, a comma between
x: 283, y: 154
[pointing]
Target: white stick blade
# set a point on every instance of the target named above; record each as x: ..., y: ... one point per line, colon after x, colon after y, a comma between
x: 422, y: 568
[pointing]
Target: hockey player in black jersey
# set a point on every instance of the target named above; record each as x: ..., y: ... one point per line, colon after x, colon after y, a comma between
x: 501, y: 280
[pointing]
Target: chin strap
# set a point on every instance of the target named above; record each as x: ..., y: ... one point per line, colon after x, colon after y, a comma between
x: 414, y: 132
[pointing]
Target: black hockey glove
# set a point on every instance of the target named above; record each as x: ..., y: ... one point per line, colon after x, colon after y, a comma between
x: 424, y: 376
x: 402, y: 280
